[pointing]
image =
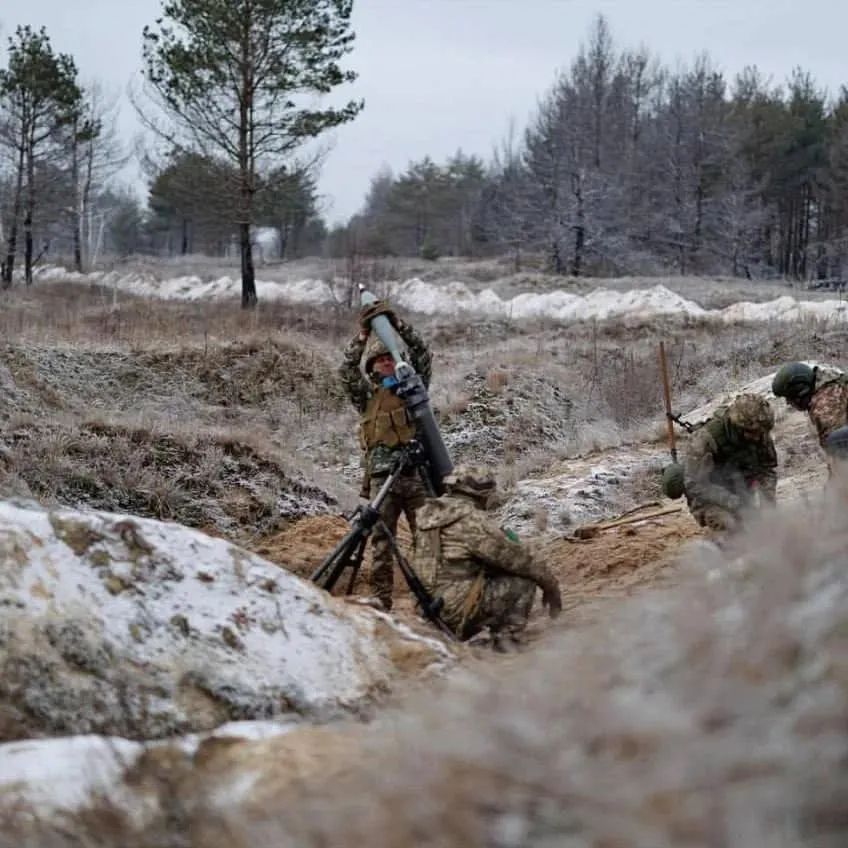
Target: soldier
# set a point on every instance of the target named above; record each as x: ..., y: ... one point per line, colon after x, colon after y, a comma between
x: 728, y: 459
x: 485, y: 576
x: 821, y: 393
x: 384, y: 429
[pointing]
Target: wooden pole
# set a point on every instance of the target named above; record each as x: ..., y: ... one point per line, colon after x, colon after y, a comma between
x: 672, y: 441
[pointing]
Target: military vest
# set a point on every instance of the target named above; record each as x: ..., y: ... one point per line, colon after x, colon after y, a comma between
x: 385, y: 422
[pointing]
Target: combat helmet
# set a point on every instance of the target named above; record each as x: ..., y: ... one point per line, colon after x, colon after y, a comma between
x: 751, y: 413
x: 796, y: 382
x: 472, y: 480
x: 373, y: 348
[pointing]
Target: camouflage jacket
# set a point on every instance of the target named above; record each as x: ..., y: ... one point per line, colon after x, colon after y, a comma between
x: 720, y: 467
x: 361, y: 388
x: 456, y: 543
x: 828, y: 408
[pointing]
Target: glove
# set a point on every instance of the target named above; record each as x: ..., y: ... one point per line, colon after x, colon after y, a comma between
x: 372, y: 310
x: 551, y: 598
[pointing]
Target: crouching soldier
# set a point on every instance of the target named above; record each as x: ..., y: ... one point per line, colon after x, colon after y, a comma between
x: 384, y: 430
x: 821, y: 393
x: 486, y: 577
x: 728, y: 460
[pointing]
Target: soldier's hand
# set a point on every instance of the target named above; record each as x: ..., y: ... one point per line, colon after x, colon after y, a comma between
x: 552, y: 599
x: 372, y: 310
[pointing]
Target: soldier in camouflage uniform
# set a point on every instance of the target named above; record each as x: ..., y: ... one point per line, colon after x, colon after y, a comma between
x: 384, y: 429
x: 727, y: 460
x: 820, y: 392
x: 485, y: 576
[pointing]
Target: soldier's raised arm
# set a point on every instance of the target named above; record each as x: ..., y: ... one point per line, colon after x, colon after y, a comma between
x: 356, y: 386
x: 698, y: 465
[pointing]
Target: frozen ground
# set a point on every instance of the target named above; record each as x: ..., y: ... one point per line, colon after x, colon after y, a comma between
x: 572, y: 419
x: 117, y: 623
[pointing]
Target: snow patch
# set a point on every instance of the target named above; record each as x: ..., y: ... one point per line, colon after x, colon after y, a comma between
x: 584, y: 491
x: 64, y: 773
x: 176, y: 631
x: 456, y: 297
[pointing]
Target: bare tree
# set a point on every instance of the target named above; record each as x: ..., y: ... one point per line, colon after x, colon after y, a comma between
x: 95, y: 155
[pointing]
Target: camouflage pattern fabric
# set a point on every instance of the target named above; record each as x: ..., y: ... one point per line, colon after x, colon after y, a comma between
x: 484, y: 578
x: 407, y: 495
x: 723, y: 462
x: 715, y: 520
x: 828, y: 409
x: 362, y: 389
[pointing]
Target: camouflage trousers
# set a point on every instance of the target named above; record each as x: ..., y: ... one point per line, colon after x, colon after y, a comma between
x: 406, y: 496
x: 504, y: 607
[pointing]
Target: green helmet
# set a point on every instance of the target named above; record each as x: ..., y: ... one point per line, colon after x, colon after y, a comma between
x: 672, y: 481
x: 796, y: 382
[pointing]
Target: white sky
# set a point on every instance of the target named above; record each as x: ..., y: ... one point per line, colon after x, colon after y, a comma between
x: 438, y: 75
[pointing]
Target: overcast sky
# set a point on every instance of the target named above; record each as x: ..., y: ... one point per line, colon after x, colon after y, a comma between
x: 438, y: 75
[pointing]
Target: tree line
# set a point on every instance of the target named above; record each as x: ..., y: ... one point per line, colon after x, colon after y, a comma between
x: 629, y: 166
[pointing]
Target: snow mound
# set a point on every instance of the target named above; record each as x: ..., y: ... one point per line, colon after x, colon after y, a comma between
x: 138, y: 628
x: 454, y: 298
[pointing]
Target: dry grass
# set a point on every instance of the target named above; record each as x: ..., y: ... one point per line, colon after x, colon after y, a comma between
x: 89, y: 315
x: 518, y: 395
x: 713, y: 713
x: 191, y: 412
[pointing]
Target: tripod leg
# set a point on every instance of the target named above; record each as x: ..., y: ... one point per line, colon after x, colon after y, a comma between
x: 337, y: 561
x: 356, y: 564
x: 428, y: 607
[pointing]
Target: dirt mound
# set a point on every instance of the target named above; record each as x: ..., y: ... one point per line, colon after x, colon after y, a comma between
x: 205, y: 480
x: 612, y: 562
x: 504, y: 417
x: 254, y: 374
x: 618, y: 559
x: 257, y: 375
x: 302, y: 545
